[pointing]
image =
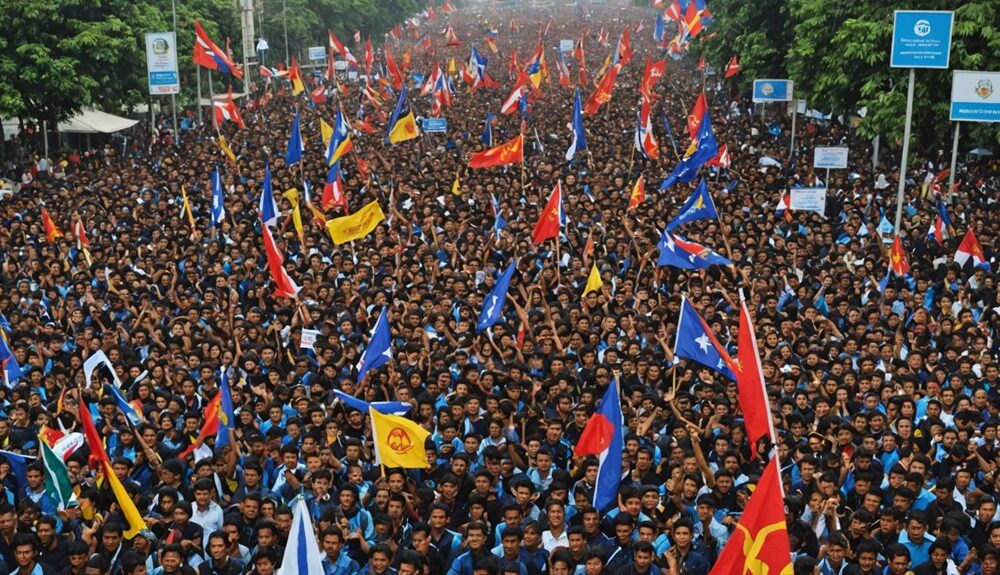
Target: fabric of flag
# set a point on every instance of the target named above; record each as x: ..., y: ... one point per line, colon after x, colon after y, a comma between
x: 227, y: 414
x: 638, y: 194
x: 499, y: 222
x: 604, y: 436
x: 210, y: 428
x: 623, y: 54
x: 550, y: 219
x: 603, y: 92
x: 11, y: 370
x: 292, y: 195
x: 674, y: 11
x: 339, y: 49
x: 52, y: 232
x: 357, y: 225
x: 268, y: 207
x: 492, y: 44
x: 379, y: 349
x: 295, y: 77
x: 751, y: 391
x: 399, y: 442
x: 386, y: 407
x: 186, y: 207
x: 594, y: 281
x: 941, y: 224
x: 493, y: 305
x: 699, y: 206
x: 487, y: 137
x: 340, y: 139
x: 652, y: 72
x: 535, y: 67
x: 733, y: 67
x: 697, y: 113
x: 402, y: 125
x: 702, y: 149
x: 284, y: 285
x: 968, y: 249
x: 218, y: 205
x: 133, y: 416
x: 57, y: 481
x: 296, y: 146
x: 579, y: 143
x: 475, y: 69
x: 369, y: 56
x: 670, y: 133
x: 18, y: 466
x: 456, y: 186
x: 645, y: 141
x: 227, y: 110
x: 512, y: 103
x: 695, y: 341
x: 510, y: 152
x: 759, y: 544
x: 301, y: 554
x: 208, y: 55
x: 5, y: 325
x: 564, y: 77
x: 897, y: 258
x: 658, y: 29
x: 723, y: 159
x: 685, y: 254
x: 395, y: 75
x: 224, y: 146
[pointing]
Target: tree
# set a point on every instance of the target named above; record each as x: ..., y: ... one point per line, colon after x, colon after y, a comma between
x: 758, y: 32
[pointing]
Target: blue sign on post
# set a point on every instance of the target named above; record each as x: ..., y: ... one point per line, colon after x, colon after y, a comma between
x: 921, y: 39
x: 975, y: 96
x: 772, y: 90
x: 432, y: 125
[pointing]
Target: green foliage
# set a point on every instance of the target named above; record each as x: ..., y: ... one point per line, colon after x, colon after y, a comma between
x: 755, y: 31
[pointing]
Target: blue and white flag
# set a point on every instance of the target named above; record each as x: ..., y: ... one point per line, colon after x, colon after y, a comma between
x: 301, y: 552
x: 379, y: 350
x: 579, y: 143
x: 268, y: 207
x: 218, y: 200
x: 493, y: 304
x: 296, y: 146
x: 678, y: 252
x: 703, y: 149
x: 695, y: 341
x: 697, y: 207
x: 386, y: 407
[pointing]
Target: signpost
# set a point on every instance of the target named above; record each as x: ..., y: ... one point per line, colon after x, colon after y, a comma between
x: 317, y: 53
x: 161, y: 71
x: 920, y: 39
x: 772, y: 90
x: 435, y: 125
x: 565, y: 46
x: 975, y: 97
x: 808, y: 200
x: 830, y: 158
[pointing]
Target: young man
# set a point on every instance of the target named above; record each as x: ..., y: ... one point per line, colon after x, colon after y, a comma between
x: 26, y: 556
x: 683, y: 557
x: 219, y: 561
x: 334, y: 562
x: 475, y: 542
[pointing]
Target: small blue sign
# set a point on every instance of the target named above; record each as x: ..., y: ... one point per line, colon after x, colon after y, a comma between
x: 162, y: 78
x: 975, y: 96
x: 773, y: 90
x: 432, y: 125
x: 921, y: 39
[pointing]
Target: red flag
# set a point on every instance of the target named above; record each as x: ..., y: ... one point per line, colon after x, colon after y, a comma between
x: 51, y: 231
x: 638, y: 193
x: 98, y: 456
x: 692, y: 20
x: 394, y: 73
x: 209, y: 428
x: 513, y: 65
x: 80, y: 233
x: 208, y: 55
x: 750, y: 383
x: 897, y: 258
x: 510, y: 152
x: 602, y: 94
x: 227, y: 110
x: 673, y: 12
x: 550, y: 219
x: 759, y: 544
x: 510, y: 105
x: 338, y: 47
x: 694, y: 120
x: 284, y: 285
x: 624, y: 49
x: 318, y: 95
x: 733, y: 67
x: 970, y: 248
x: 369, y: 56
x: 652, y: 73
x: 701, y: 62
x: 723, y: 159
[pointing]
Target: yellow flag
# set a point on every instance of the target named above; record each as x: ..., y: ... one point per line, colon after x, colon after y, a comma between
x: 357, y: 225
x: 226, y: 149
x: 187, y: 208
x: 456, y: 186
x: 326, y: 131
x: 594, y: 281
x: 399, y: 442
x: 125, y: 503
x: 404, y: 129
x: 292, y: 195
x: 452, y: 68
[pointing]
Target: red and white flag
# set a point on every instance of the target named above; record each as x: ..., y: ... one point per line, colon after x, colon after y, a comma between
x: 733, y: 67
x: 284, y: 285
x: 970, y: 248
x: 227, y: 110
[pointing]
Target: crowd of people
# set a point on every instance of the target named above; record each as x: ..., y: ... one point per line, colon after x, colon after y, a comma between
x: 884, y: 396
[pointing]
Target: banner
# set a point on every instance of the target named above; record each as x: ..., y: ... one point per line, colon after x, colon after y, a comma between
x: 975, y: 96
x: 808, y: 200
x: 161, y: 64
x: 830, y: 157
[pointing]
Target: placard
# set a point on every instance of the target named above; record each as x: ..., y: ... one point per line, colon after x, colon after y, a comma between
x: 830, y: 157
x: 975, y: 96
x: 317, y: 53
x: 921, y: 39
x: 773, y: 90
x: 808, y: 200
x: 565, y: 46
x: 432, y: 125
x: 161, y: 63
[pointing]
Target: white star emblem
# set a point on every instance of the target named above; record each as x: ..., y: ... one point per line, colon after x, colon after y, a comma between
x: 703, y: 343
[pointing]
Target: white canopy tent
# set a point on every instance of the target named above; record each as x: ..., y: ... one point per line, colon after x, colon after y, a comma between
x: 95, y: 122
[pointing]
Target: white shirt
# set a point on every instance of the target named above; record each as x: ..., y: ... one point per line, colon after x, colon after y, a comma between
x: 550, y: 541
x: 210, y: 520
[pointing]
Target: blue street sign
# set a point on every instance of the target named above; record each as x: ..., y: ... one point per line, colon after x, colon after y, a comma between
x: 432, y: 125
x: 921, y: 39
x: 772, y: 90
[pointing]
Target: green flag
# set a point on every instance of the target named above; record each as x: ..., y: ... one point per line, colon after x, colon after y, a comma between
x: 57, y: 482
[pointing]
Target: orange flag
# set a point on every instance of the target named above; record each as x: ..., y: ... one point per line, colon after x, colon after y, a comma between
x: 897, y: 258
x: 694, y: 120
x: 510, y: 152
x: 638, y: 193
x: 760, y: 542
x: 51, y: 231
x: 602, y: 94
x: 750, y: 383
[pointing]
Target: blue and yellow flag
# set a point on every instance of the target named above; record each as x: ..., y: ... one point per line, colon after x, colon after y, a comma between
x: 402, y: 125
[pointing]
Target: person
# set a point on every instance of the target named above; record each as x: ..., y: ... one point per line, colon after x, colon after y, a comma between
x: 172, y: 561
x: 219, y: 560
x: 335, y: 562
x: 682, y: 556
x: 25, y: 548
x: 475, y: 540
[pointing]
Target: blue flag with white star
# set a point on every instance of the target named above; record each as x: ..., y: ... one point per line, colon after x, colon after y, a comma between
x: 695, y: 341
x: 493, y: 304
x: 379, y: 350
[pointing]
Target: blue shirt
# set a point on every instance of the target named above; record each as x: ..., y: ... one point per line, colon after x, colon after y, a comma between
x: 343, y: 565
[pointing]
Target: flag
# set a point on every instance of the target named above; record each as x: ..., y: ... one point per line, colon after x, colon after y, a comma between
x: 292, y: 195
x: 284, y: 285
x: 564, y: 79
x: 638, y: 193
x: 699, y: 206
x: 653, y: 72
x: 227, y: 110
x: 723, y: 159
x: 645, y: 140
x: 536, y: 66
x: 492, y: 44
x: 969, y: 248
x: 674, y: 11
x: 475, y: 69
x: 579, y: 143
x: 369, y: 56
x: 52, y: 233
x: 339, y: 49
x: 100, y: 463
x: 685, y: 254
x: 897, y: 258
x: 224, y: 146
x: 296, y: 145
x: 18, y: 466
x: 750, y: 383
x: 295, y: 77
x: 733, y: 67
x: 5, y: 325
x: 487, y: 138
x: 379, y: 349
x: 301, y: 555
x: 357, y: 225
x: 268, y: 207
x: 208, y: 55
x: 695, y: 341
x: 510, y: 152
x: 594, y: 281
x: 511, y: 104
x: 550, y: 219
x: 186, y: 206
x: 218, y: 207
x: 658, y: 29
x: 701, y: 62
x: 340, y: 139
x: 208, y: 429
x: 692, y: 20
x: 624, y: 53
x: 451, y: 37
x: 702, y: 149
x: 604, y: 437
x: 11, y: 370
x: 399, y: 442
x: 499, y: 222
x: 941, y: 225
x: 386, y: 407
x: 57, y: 482
x: 133, y: 416
x: 602, y: 94
x: 402, y: 125
x: 492, y: 311
x: 394, y: 74
x: 759, y: 544
x: 694, y: 119
x: 456, y: 186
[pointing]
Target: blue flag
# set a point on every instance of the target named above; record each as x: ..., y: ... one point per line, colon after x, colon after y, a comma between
x: 18, y: 466
x: 227, y: 414
x: 11, y: 370
x: 658, y: 29
x: 268, y: 207
x: 670, y: 133
x: 487, y: 138
x: 379, y: 350
x: 493, y: 304
x: 706, y: 148
x: 218, y: 205
x: 579, y: 143
x: 4, y: 324
x: 695, y: 341
x: 386, y: 407
x: 127, y: 409
x: 681, y: 253
x: 293, y: 154
x: 604, y: 437
x: 499, y: 222
x: 698, y: 207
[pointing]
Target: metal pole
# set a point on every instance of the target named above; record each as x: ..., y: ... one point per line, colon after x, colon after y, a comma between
x: 791, y: 147
x: 197, y: 74
x: 45, y: 137
x: 284, y: 25
x: 954, y: 158
x: 875, y: 145
x: 906, y: 152
x: 211, y: 100
x: 173, y: 97
x: 246, y: 61
x: 152, y: 124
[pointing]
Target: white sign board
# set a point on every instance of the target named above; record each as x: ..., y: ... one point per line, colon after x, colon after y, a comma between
x: 161, y: 63
x: 317, y: 53
x: 830, y: 157
x: 565, y: 46
x: 808, y: 200
x: 975, y: 96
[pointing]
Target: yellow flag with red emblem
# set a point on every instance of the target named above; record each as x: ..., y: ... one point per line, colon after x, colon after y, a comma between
x: 399, y: 442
